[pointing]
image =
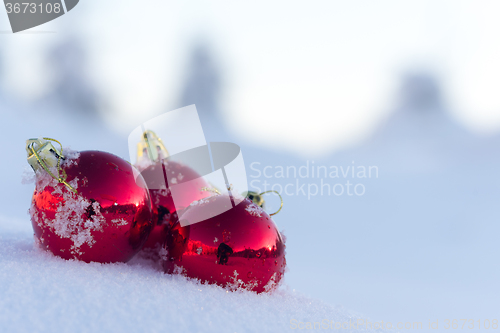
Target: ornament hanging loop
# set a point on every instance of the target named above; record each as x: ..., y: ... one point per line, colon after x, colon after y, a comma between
x: 281, y: 205
x: 47, y: 146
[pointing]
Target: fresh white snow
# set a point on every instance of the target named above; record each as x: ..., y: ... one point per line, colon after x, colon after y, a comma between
x: 43, y: 293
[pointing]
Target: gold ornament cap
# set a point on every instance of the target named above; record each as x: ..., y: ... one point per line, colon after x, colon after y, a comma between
x: 45, y: 150
x: 258, y: 199
x: 42, y: 154
x: 151, y: 147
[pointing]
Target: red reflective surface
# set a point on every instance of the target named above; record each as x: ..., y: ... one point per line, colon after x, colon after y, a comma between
x: 109, y: 218
x: 164, y: 210
x: 240, y: 248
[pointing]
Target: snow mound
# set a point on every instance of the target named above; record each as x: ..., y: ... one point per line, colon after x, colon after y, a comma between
x: 43, y: 293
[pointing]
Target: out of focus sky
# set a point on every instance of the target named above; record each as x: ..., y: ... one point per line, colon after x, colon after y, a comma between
x: 307, y: 77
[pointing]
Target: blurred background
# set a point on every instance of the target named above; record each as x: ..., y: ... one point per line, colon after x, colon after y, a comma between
x: 408, y: 87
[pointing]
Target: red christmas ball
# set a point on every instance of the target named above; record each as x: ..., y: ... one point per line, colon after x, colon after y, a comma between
x: 240, y: 248
x: 105, y: 218
x: 165, y: 212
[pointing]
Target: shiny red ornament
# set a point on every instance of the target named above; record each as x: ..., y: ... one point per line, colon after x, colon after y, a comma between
x: 165, y: 212
x: 240, y: 248
x: 107, y: 218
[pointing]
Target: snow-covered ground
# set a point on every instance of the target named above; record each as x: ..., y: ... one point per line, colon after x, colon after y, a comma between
x: 43, y: 293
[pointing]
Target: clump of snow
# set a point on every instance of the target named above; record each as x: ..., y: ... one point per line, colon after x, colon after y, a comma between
x: 70, y: 222
x: 28, y: 176
x: 143, y: 163
x: 70, y: 156
x: 254, y: 210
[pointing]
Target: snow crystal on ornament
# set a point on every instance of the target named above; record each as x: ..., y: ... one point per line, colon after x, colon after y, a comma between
x: 70, y: 220
x: 32, y: 211
x: 199, y: 202
x: 254, y: 210
x: 119, y: 222
x: 163, y: 253
x: 179, y: 270
x: 239, y: 284
x: 272, y: 284
x: 164, y: 192
x: 38, y: 243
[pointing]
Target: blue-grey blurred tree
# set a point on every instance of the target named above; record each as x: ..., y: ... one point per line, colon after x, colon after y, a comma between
x: 421, y: 111
x: 203, y: 86
x: 72, y: 88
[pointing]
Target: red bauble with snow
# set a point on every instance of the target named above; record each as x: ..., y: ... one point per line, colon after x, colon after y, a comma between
x: 165, y: 212
x: 102, y: 216
x: 238, y: 249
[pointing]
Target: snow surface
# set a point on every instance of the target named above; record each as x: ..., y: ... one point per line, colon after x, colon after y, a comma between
x: 43, y: 293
